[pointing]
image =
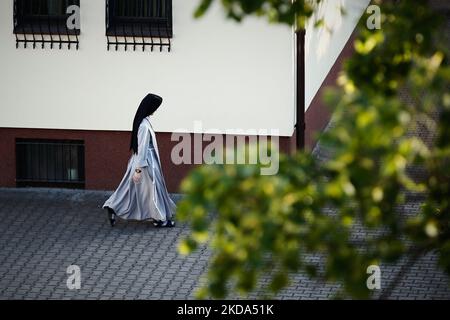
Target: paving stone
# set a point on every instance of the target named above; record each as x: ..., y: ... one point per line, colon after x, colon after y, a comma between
x: 43, y: 231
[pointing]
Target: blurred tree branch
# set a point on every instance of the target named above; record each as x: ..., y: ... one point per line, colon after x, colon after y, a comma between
x: 267, y: 223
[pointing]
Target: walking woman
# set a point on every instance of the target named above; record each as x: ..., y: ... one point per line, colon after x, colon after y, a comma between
x: 142, y: 193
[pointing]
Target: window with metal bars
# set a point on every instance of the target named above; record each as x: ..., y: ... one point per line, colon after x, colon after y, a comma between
x: 44, y: 21
x: 50, y: 163
x: 145, y: 23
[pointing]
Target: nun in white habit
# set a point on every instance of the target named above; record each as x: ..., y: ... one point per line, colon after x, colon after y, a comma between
x: 142, y: 194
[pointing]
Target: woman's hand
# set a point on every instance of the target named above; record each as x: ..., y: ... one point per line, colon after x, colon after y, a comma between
x: 137, y: 176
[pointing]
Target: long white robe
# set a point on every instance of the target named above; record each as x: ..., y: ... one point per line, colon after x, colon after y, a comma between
x: 149, y: 198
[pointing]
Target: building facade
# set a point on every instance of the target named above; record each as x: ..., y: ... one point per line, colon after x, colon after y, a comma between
x: 69, y: 94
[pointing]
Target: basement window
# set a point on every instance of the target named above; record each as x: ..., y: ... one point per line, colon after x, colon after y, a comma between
x: 134, y: 23
x: 50, y: 163
x: 46, y: 22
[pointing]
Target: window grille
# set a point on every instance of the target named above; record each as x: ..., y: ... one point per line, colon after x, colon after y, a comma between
x: 139, y: 23
x: 50, y: 163
x: 44, y: 22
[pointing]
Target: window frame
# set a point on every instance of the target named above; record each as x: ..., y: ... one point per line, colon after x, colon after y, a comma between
x: 35, y: 157
x: 41, y: 24
x: 143, y: 27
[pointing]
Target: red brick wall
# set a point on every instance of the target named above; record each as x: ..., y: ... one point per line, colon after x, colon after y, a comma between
x: 318, y: 114
x: 106, y: 155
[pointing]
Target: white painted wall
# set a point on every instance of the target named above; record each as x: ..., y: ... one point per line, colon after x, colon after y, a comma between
x: 322, y: 46
x: 222, y: 73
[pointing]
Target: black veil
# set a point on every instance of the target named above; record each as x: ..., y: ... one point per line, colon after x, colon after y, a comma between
x: 148, y: 105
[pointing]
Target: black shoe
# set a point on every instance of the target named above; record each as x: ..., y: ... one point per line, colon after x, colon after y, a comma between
x: 164, y: 224
x: 170, y: 224
x: 111, y: 216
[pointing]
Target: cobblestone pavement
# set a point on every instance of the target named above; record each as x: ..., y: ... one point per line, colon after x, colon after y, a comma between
x: 43, y: 231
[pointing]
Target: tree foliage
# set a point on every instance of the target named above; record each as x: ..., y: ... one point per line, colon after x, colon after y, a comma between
x: 278, y: 11
x: 265, y: 225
